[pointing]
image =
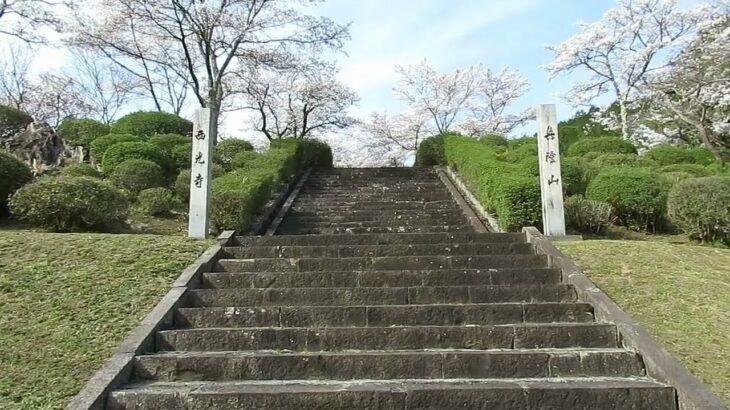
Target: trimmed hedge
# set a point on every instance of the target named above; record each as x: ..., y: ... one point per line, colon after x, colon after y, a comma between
x: 638, y: 195
x: 226, y: 150
x: 317, y: 154
x: 670, y: 155
x: 123, y: 151
x: 182, y: 182
x: 606, y: 145
x: 693, y: 169
x: 14, y: 173
x: 99, y: 146
x: 621, y: 160
x: 431, y: 152
x: 82, y: 131
x: 700, y: 207
x: 521, y: 152
x: 156, y: 201
x: 182, y: 156
x: 147, y: 124
x: 80, y: 169
x: 135, y: 175
x: 71, y: 204
x: 12, y: 121
x: 168, y: 142
x: 587, y: 216
x: 494, y: 141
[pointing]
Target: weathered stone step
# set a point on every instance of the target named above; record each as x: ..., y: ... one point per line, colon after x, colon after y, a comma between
x: 381, y: 316
x: 355, y: 204
x: 365, y: 215
x: 378, y: 296
x: 247, y: 252
x: 562, y: 393
x: 394, y: 278
x: 429, y: 196
x: 382, y: 263
x: 447, y: 218
x: 373, y: 189
x: 285, y: 230
x: 518, y: 336
x: 379, y: 239
x: 344, y: 208
x: 230, y: 366
x: 294, y: 223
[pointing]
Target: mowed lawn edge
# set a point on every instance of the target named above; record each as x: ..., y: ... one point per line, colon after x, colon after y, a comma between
x: 68, y: 300
x: 679, y: 292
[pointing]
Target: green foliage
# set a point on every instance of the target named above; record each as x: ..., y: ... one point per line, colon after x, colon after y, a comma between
x: 431, y: 152
x: 100, y: 145
x: 494, y: 141
x: 317, y: 154
x: 574, y: 176
x: 82, y: 131
x: 674, y: 177
x: 247, y: 160
x: 71, y: 204
x: 521, y: 152
x: 693, y: 169
x: 700, y: 207
x: 620, y: 160
x: 587, y: 216
x: 147, y: 124
x: 123, y: 151
x: 718, y: 169
x: 226, y: 150
x: 168, y: 142
x: 703, y: 156
x: 156, y: 201
x: 582, y: 126
x: 135, y: 175
x: 81, y: 170
x: 670, y: 155
x: 638, y: 195
x: 182, y: 156
x: 182, y: 182
x: 606, y: 145
x: 14, y: 173
x: 12, y: 121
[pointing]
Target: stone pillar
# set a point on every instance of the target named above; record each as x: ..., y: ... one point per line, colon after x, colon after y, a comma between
x: 551, y: 184
x: 200, y: 175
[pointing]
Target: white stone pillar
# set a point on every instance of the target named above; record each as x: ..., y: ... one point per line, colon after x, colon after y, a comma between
x: 551, y: 181
x: 200, y: 174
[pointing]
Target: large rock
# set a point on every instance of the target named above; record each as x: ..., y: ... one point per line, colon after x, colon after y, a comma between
x: 41, y: 148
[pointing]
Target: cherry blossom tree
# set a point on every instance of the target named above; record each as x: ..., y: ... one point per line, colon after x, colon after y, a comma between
x: 623, y: 49
x: 15, y: 83
x: 25, y: 19
x: 394, y: 138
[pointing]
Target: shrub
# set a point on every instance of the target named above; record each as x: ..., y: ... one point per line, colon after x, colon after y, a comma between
x: 12, y: 121
x: 718, y: 169
x: 703, y: 156
x: 606, y: 145
x: 246, y: 160
x: 123, y: 151
x: 494, y: 140
x: 574, y: 176
x: 168, y: 142
x: 670, y: 154
x: 693, y: 169
x: 147, y: 124
x: 226, y: 150
x: 621, y: 160
x: 700, y: 208
x: 135, y: 175
x: 156, y: 201
x: 238, y: 197
x: 14, y: 173
x: 638, y: 195
x: 587, y: 216
x: 82, y: 131
x: 431, y: 152
x: 81, y: 170
x: 317, y: 154
x: 182, y: 182
x: 99, y: 146
x: 71, y: 204
x: 182, y: 156
x: 521, y: 152
x: 674, y: 177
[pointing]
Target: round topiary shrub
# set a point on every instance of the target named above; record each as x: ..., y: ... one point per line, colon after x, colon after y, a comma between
x: 700, y: 207
x: 226, y: 150
x: 82, y: 131
x: 182, y: 156
x: 494, y: 140
x: 99, y: 146
x: 638, y: 195
x: 135, y: 175
x: 182, y: 182
x: 80, y: 169
x: 14, y: 173
x: 703, y: 156
x: 670, y: 154
x: 621, y: 160
x: 156, y: 201
x: 520, y: 153
x: 168, y: 142
x: 606, y: 145
x: 147, y: 124
x: 317, y: 154
x: 123, y: 151
x: 71, y: 204
x: 693, y: 169
x: 12, y: 121
x: 431, y: 152
x: 674, y: 177
x: 246, y: 160
x: 573, y: 172
x: 588, y: 216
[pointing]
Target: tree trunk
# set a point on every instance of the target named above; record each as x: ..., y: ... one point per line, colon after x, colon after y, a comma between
x: 624, y: 119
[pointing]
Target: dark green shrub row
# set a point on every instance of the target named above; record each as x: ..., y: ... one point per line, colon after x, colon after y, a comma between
x: 671, y: 155
x: 14, y: 173
x: 700, y: 207
x: 606, y: 145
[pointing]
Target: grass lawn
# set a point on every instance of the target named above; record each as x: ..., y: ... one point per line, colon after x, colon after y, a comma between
x: 67, y: 301
x: 679, y: 292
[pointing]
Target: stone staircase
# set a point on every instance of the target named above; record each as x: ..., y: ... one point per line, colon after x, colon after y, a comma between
x: 377, y: 294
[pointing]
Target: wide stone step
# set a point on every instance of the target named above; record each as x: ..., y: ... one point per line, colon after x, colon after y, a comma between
x: 317, y: 203
x: 378, y: 197
x: 314, y: 190
x: 328, y: 208
x: 516, y: 336
x: 381, y: 316
x: 378, y: 296
x: 375, y: 229
x: 561, y: 393
x: 395, y: 278
x: 371, y: 215
x: 295, y: 223
x: 379, y: 239
x: 382, y: 263
x: 230, y: 366
x: 450, y: 218
x: 377, y: 250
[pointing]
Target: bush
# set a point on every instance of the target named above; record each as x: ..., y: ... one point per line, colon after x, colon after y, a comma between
x: 521, y: 152
x: 14, y: 173
x: 431, y: 152
x: 693, y: 169
x: 71, y: 204
x: 638, y: 195
x: 700, y: 208
x: 82, y: 131
x: 670, y: 155
x: 674, y: 177
x: 494, y: 140
x: 238, y: 197
x: 123, y: 151
x: 182, y: 182
x: 227, y: 149
x: 168, y: 142
x: 246, y: 160
x: 621, y: 160
x: 147, y: 124
x: 574, y: 176
x: 703, y: 156
x: 317, y: 154
x: 718, y: 169
x: 606, y: 145
x: 12, y: 121
x: 156, y: 201
x: 99, y: 146
x: 587, y: 216
x: 81, y: 170
x: 182, y: 156
x: 135, y: 175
